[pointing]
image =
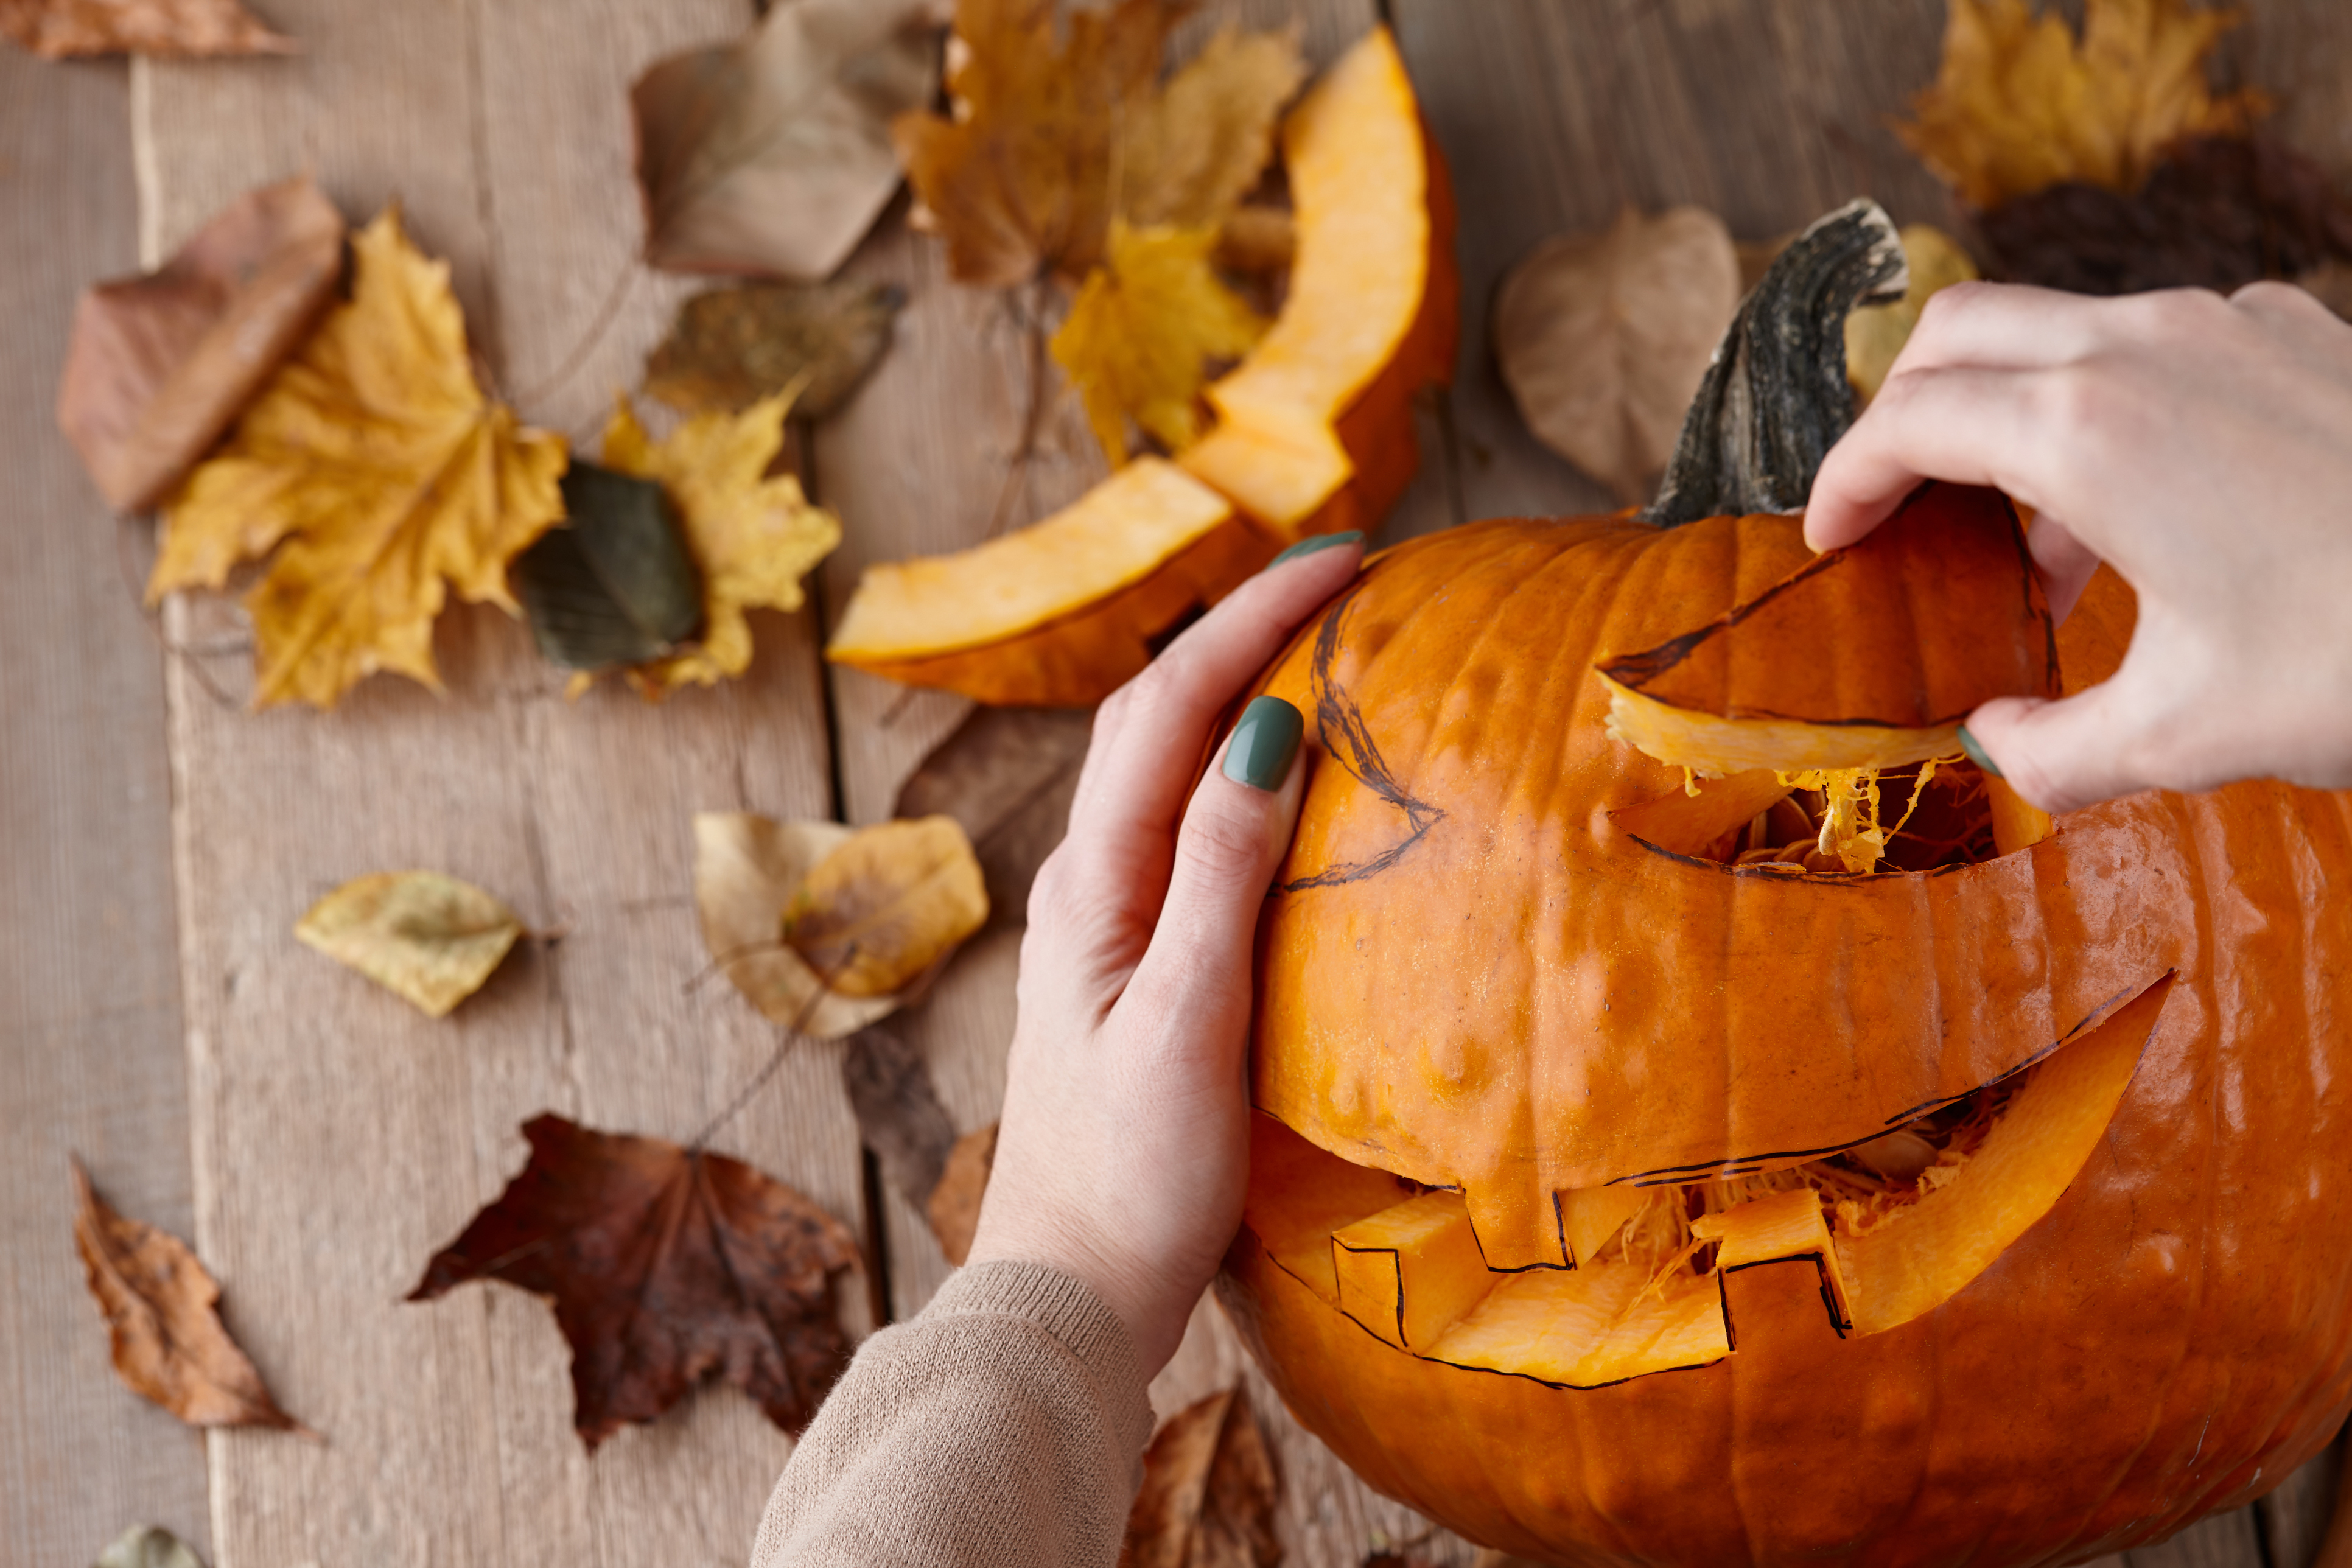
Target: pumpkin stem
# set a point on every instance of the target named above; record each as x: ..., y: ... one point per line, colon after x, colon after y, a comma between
x: 1776, y: 397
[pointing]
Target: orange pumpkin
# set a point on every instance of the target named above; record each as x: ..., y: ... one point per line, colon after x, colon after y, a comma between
x: 1638, y: 1183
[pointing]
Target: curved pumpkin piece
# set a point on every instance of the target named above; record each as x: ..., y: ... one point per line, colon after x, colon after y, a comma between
x: 1938, y: 611
x: 1314, y: 433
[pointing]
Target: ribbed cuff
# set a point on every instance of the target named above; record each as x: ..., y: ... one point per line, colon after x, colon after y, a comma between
x: 1076, y: 1318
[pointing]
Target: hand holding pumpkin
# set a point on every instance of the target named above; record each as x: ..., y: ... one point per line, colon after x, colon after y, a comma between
x: 1124, y: 1141
x: 2199, y: 446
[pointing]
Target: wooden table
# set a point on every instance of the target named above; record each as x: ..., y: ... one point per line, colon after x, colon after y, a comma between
x: 315, y: 1137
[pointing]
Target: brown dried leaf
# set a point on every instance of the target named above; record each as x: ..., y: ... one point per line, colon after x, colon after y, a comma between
x: 161, y: 365
x: 888, y: 904
x: 163, y: 1310
x: 2218, y: 213
x: 732, y: 347
x: 1008, y: 775
x: 898, y: 1112
x: 58, y: 29
x: 2018, y: 106
x: 1874, y: 334
x: 1209, y: 1493
x: 1187, y: 155
x: 773, y: 154
x: 1017, y: 180
x: 665, y: 1265
x: 954, y: 1207
x: 430, y: 938
x: 2330, y: 283
x: 1604, y: 339
x: 746, y: 869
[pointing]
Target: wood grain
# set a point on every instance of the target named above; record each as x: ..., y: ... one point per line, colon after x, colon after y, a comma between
x: 90, y: 1059
x: 340, y: 1137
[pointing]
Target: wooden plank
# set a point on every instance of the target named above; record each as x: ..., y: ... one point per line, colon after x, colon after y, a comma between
x: 2295, y: 1517
x: 2225, y: 1541
x: 90, y: 1006
x: 339, y: 1136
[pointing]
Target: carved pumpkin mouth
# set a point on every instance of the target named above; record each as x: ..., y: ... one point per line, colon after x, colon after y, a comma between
x: 1892, y: 1228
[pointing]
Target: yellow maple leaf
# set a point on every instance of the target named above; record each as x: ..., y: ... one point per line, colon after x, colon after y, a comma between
x: 380, y: 474
x: 1060, y: 124
x: 1140, y: 336
x: 751, y: 537
x: 2020, y: 105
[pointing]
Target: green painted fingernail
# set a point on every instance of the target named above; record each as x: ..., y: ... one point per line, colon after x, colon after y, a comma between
x: 1977, y: 754
x: 1314, y: 541
x: 1265, y: 742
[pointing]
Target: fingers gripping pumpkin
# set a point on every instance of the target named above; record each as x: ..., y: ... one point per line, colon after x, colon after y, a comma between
x: 1797, y: 1148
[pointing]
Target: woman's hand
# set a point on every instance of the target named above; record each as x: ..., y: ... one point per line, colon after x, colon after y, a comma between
x: 1125, y: 1143
x: 2201, y: 445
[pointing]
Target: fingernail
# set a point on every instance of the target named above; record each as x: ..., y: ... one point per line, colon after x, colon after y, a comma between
x: 1314, y: 541
x: 1264, y: 743
x: 1977, y: 754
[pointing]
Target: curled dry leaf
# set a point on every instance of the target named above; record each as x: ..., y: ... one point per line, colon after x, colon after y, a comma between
x: 429, y: 938
x: 773, y: 154
x: 380, y: 476
x: 615, y: 584
x: 898, y: 1112
x: 953, y: 1209
x: 161, y: 365
x: 1187, y: 155
x: 163, y: 1310
x: 665, y: 1265
x: 906, y: 901
x: 753, y: 537
x: 59, y: 29
x: 732, y: 347
x: 2019, y: 105
x: 1209, y: 1493
x: 1603, y: 338
x: 1008, y: 775
x: 1141, y: 337
x: 887, y: 905
x: 1874, y: 334
x: 148, y: 1546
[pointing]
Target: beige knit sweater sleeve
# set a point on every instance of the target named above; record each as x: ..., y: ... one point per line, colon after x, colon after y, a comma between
x: 1003, y: 1425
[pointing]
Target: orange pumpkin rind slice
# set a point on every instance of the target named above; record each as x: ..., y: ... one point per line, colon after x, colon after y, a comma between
x: 1957, y: 618
x: 1408, y: 1267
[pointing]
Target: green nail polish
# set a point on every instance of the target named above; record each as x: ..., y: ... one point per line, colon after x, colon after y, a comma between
x: 1264, y: 743
x: 1977, y: 754
x: 1314, y: 541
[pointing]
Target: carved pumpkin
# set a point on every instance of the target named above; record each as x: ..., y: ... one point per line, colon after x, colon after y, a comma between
x: 1638, y: 1183
x: 1314, y: 434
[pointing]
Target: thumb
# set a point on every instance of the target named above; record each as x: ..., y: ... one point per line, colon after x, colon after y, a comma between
x: 2061, y: 755
x: 1233, y: 836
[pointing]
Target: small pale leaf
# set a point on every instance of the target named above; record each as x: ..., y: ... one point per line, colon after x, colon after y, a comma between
x: 148, y: 1546
x: 746, y: 869
x: 891, y: 901
x: 429, y: 938
x: 1874, y: 334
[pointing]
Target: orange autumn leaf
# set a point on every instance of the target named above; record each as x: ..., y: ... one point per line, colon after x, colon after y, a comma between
x: 753, y: 538
x: 61, y: 29
x: 1139, y: 337
x: 374, y: 476
x: 2020, y: 104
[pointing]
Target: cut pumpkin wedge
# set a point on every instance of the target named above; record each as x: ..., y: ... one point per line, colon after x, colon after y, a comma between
x: 1408, y: 1265
x: 1314, y: 434
x: 1813, y: 674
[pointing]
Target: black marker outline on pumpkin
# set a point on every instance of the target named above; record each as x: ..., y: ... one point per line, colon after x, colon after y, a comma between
x: 1338, y: 715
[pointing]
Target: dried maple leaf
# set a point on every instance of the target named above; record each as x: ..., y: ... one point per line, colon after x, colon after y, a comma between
x: 163, y: 1310
x: 1209, y: 1493
x: 1188, y: 154
x: 665, y: 1265
x: 953, y: 1209
x: 58, y: 29
x: 148, y: 1546
x: 430, y: 938
x: 732, y: 347
x: 1008, y: 775
x: 752, y: 538
x: 1874, y: 334
x: 887, y: 905
x: 163, y: 362
x: 1140, y: 336
x: 773, y: 154
x: 1017, y: 180
x: 2020, y: 106
x: 379, y: 474
x: 1603, y: 338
